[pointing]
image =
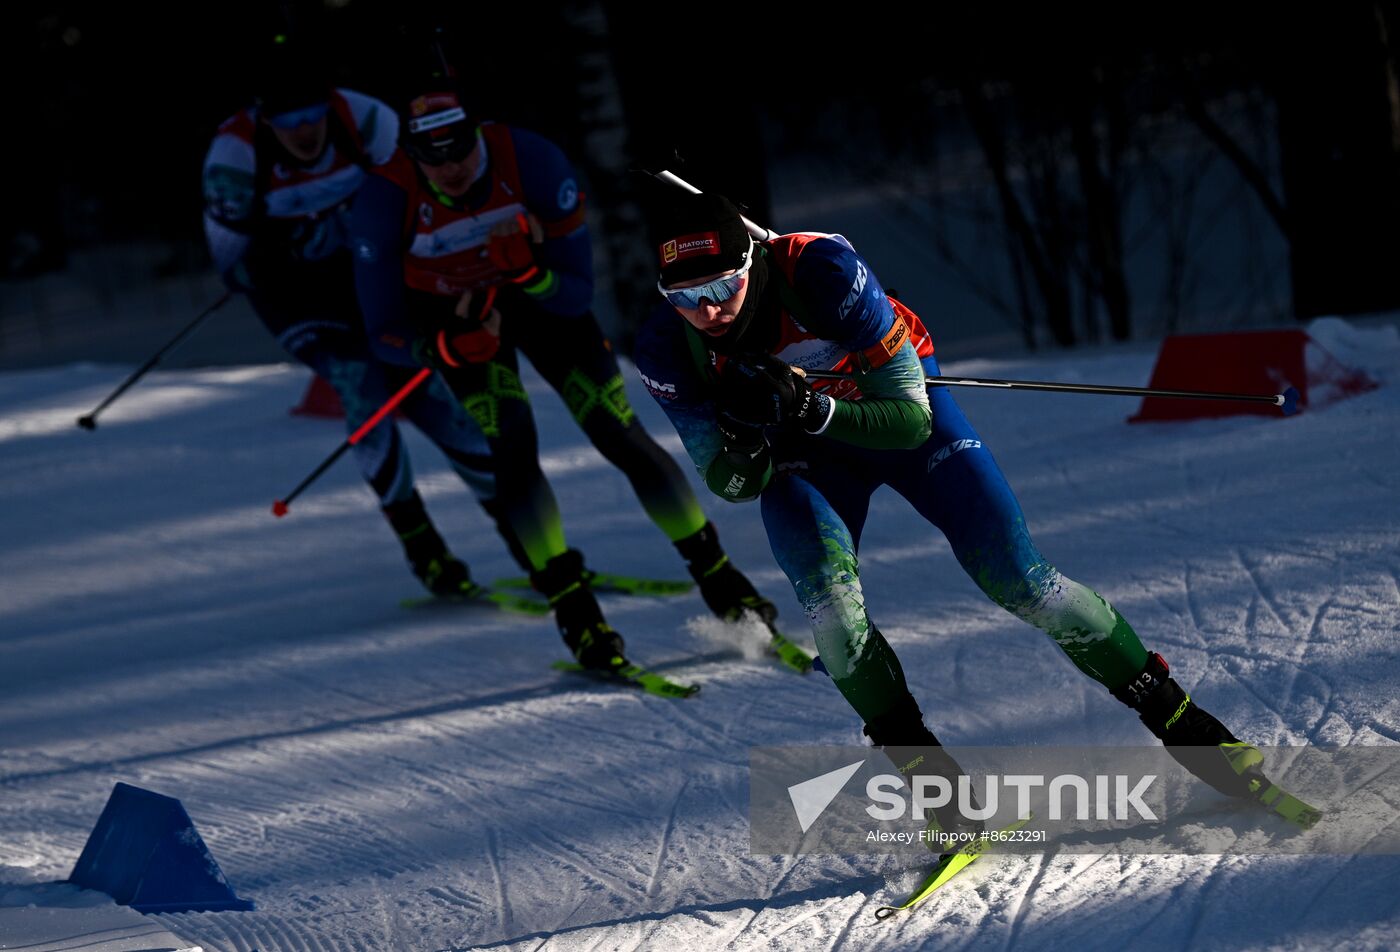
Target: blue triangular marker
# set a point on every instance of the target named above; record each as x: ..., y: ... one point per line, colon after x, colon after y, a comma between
x: 145, y: 853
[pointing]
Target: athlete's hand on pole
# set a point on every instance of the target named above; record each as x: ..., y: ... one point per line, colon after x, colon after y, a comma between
x: 762, y: 390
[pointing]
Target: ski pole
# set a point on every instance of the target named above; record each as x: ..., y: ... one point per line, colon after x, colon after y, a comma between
x: 279, y: 508
x: 89, y: 421
x: 1287, y: 401
x: 758, y: 231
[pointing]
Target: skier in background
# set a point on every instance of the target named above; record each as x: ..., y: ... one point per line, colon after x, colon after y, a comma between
x: 719, y: 358
x: 470, y: 247
x: 279, y: 180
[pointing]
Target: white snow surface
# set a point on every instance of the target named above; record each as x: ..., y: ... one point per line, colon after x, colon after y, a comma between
x: 383, y: 779
x: 60, y: 917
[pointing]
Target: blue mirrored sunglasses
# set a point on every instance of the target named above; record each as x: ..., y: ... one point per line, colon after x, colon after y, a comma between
x: 299, y: 117
x: 716, y: 292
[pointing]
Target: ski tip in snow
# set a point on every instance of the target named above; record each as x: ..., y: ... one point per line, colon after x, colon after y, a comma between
x: 615, y: 583
x: 950, y: 864
x: 482, y: 597
x: 633, y: 675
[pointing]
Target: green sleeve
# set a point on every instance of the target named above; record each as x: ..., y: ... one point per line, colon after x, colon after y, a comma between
x: 739, y: 477
x: 880, y: 424
x: 893, y: 412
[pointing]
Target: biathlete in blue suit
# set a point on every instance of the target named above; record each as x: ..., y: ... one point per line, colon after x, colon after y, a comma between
x: 725, y: 358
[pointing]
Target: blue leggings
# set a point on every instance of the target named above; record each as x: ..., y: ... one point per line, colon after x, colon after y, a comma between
x: 815, y: 508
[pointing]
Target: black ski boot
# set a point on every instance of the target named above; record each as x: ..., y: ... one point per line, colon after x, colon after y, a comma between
x: 1194, y: 738
x: 724, y: 588
x: 915, y: 752
x: 439, y: 570
x: 592, y: 640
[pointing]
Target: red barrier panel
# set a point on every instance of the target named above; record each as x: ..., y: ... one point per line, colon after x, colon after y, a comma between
x: 1243, y: 362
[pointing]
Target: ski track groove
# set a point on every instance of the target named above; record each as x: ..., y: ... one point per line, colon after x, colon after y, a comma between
x: 662, y: 847
x: 267, y: 932
x: 390, y: 919
x: 1019, y: 913
x: 494, y: 791
x: 1272, y: 706
x: 1201, y: 899
x: 345, y: 838
x: 790, y: 863
x: 1310, y: 640
x: 1316, y: 893
x: 247, y: 850
x: 797, y: 920
x: 730, y: 931
x: 588, y: 870
x: 503, y: 907
x: 455, y: 897
x: 839, y: 941
x: 733, y: 943
x: 1164, y: 908
x: 1317, y: 726
x: 1385, y: 730
x: 718, y: 738
x: 653, y: 740
x: 1263, y: 593
x: 1192, y: 608
x: 583, y: 867
x: 1057, y: 912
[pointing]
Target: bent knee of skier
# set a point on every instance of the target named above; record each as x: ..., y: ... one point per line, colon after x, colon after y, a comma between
x: 1090, y: 631
x: 598, y: 408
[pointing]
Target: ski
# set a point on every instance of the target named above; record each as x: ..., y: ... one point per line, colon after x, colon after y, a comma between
x: 1246, y: 760
x: 788, y: 651
x: 482, y: 597
x: 1280, y: 801
x: 634, y: 675
x: 612, y: 582
x: 949, y: 865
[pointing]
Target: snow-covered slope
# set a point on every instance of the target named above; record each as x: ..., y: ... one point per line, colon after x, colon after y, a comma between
x: 382, y: 779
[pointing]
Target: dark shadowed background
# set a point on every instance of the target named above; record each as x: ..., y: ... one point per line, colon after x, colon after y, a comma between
x: 1026, y: 177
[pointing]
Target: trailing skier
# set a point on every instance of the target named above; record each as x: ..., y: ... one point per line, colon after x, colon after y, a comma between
x: 471, y: 248
x: 279, y: 181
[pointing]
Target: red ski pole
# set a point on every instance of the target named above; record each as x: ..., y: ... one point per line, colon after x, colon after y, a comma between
x: 279, y: 508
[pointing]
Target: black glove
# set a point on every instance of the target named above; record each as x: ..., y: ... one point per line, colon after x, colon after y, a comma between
x: 739, y: 436
x: 761, y: 390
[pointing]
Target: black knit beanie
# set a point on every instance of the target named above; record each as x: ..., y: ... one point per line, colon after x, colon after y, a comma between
x: 699, y: 235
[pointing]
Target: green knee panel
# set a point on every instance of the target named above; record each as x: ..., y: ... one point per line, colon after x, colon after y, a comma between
x: 582, y: 395
x: 502, y: 384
